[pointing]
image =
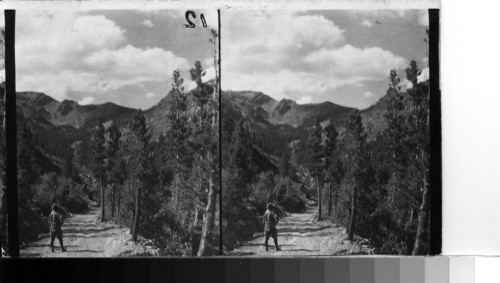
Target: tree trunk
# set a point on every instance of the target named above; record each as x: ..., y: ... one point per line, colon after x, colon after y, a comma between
x: 352, y: 221
x: 420, y: 246
x: 207, y: 247
x: 330, y: 200
x: 137, y: 216
x: 119, y: 206
x: 196, y: 216
x: 319, y: 198
x: 113, y: 192
x: 336, y: 201
x: 195, y: 244
x: 102, y: 203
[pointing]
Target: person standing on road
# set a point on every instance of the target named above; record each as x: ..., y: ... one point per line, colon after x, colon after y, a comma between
x: 56, y: 220
x: 270, y: 220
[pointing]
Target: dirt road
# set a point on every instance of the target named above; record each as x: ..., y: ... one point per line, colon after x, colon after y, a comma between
x: 301, y: 234
x: 84, y: 236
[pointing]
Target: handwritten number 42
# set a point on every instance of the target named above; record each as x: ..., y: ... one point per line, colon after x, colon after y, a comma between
x: 190, y: 24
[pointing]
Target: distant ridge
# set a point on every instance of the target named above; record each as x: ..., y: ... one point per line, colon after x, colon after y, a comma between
x: 283, y: 112
x: 67, y: 112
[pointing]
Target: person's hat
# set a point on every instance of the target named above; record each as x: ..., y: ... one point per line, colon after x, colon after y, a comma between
x: 270, y: 206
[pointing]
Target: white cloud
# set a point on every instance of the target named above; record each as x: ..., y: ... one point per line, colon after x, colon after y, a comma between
x: 351, y: 64
x: 87, y: 100
x: 260, y: 39
x: 425, y: 60
x: 305, y: 100
x: 423, y: 17
x: 368, y: 94
x: 288, y: 55
x: 424, y: 75
x: 59, y: 52
x: 208, y: 65
x: 367, y: 23
x: 150, y: 95
x: 148, y: 23
x: 382, y: 13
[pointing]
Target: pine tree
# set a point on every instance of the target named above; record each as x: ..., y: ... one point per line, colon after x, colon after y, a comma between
x: 137, y: 157
x: 68, y: 166
x: 285, y: 166
x: 27, y: 168
x: 241, y: 154
x: 354, y: 150
x: 114, y: 166
x: 179, y: 131
x: 316, y: 155
x: 419, y: 122
x: 396, y: 133
x: 333, y: 165
x: 138, y: 150
x: 207, y: 101
x: 98, y: 166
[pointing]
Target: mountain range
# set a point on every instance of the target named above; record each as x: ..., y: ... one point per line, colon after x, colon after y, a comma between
x: 47, y: 110
x: 276, y: 126
x: 67, y: 122
x: 263, y: 111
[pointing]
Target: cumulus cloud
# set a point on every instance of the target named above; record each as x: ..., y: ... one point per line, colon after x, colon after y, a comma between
x: 287, y: 54
x: 87, y: 100
x: 305, y: 100
x: 367, y: 23
x: 368, y: 94
x: 148, y: 23
x: 59, y: 52
x: 389, y: 13
x: 350, y: 64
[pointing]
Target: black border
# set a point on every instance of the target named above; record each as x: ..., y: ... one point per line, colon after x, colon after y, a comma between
x: 436, y: 179
x: 11, y: 133
x: 221, y: 247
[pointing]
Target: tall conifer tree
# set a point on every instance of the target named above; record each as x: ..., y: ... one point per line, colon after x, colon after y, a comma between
x: 98, y: 166
x: 316, y: 155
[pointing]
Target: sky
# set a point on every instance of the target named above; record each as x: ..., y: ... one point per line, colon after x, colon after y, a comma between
x: 121, y: 56
x: 342, y: 56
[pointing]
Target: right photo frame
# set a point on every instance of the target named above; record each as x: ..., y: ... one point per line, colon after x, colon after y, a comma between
x: 330, y: 133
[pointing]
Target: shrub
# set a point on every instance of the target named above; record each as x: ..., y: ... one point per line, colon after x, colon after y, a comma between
x: 31, y: 224
x: 263, y: 191
x: 289, y: 195
x: 60, y: 190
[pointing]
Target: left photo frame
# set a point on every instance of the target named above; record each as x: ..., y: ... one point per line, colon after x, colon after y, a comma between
x: 116, y: 116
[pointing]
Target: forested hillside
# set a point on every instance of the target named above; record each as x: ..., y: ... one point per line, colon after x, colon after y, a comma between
x: 366, y: 169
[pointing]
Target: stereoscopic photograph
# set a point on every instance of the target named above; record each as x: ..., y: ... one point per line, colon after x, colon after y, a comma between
x: 117, y: 132
x: 325, y: 132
